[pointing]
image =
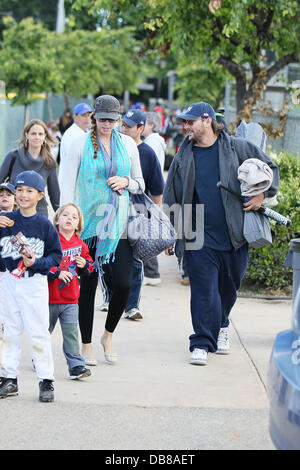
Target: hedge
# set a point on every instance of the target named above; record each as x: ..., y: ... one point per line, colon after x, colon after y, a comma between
x: 266, y: 268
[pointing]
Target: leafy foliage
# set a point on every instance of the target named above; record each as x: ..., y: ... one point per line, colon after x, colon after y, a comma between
x: 266, y: 266
x: 232, y: 33
x: 27, y: 60
x: 199, y: 81
x: 94, y: 60
x: 75, y: 63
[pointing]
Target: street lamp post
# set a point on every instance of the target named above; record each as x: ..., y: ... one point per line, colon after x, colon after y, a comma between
x: 171, y: 82
x: 60, y: 19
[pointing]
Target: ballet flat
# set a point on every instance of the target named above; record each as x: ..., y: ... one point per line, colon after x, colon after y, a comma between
x: 90, y: 362
x: 110, y: 358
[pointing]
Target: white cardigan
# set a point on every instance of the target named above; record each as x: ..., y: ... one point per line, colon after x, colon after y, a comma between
x: 69, y: 173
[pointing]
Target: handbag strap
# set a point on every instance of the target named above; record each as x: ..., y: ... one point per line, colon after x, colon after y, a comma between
x: 11, y: 165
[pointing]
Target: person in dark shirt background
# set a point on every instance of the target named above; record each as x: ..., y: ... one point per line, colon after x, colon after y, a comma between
x: 133, y: 125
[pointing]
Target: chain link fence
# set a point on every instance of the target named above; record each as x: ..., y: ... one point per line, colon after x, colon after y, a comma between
x: 12, y: 117
x: 12, y: 122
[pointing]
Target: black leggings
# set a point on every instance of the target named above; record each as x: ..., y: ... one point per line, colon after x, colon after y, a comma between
x: 117, y: 275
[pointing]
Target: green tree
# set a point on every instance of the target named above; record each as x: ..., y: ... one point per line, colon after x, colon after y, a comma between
x: 40, y: 11
x: 97, y: 60
x: 46, y: 12
x: 234, y: 34
x: 199, y: 81
x: 27, y: 61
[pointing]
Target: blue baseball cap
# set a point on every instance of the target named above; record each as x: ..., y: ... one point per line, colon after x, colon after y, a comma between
x: 32, y: 179
x: 197, y: 110
x: 8, y: 186
x: 133, y: 117
x: 82, y: 108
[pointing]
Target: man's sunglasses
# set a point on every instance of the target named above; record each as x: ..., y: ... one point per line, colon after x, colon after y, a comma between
x: 190, y: 122
x: 106, y: 119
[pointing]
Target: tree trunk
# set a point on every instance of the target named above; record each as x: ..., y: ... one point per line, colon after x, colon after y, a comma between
x: 239, y: 74
x: 26, y: 114
x: 49, y: 108
x: 219, y: 98
x: 67, y: 102
x: 241, y: 91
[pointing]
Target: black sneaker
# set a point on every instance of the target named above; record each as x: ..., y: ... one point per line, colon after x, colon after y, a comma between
x: 8, y: 387
x: 79, y: 372
x: 46, y: 391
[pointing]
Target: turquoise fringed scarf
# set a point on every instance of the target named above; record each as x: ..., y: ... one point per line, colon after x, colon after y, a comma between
x: 105, y: 212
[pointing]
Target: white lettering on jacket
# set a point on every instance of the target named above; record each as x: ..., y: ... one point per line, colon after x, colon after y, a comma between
x: 9, y: 251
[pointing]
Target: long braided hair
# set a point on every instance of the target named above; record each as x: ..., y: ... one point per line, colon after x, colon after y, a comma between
x: 94, y: 134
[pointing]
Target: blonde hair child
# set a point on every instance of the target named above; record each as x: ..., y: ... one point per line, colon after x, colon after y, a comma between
x: 64, y: 286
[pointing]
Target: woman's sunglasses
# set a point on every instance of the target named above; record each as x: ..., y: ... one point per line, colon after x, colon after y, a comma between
x: 106, y: 119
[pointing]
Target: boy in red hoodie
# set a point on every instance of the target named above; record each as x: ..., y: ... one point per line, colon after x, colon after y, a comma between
x: 64, y: 286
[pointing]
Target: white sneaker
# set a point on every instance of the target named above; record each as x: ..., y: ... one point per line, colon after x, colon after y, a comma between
x: 199, y: 357
x: 133, y: 314
x: 223, y: 344
x: 151, y: 281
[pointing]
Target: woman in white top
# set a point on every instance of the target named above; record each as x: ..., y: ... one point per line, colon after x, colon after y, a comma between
x: 103, y: 167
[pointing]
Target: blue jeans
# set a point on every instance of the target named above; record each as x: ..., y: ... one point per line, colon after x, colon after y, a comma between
x: 68, y: 317
x: 136, y: 284
x: 184, y: 268
x: 215, y: 277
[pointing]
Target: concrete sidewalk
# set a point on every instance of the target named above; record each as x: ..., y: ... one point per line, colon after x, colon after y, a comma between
x: 153, y: 398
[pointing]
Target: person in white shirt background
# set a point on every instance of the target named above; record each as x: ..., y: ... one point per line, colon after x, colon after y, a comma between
x: 152, y: 136
x: 82, y: 121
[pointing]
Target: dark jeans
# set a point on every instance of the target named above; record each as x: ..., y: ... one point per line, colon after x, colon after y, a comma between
x: 184, y: 268
x: 215, y: 277
x: 136, y: 285
x: 118, y: 275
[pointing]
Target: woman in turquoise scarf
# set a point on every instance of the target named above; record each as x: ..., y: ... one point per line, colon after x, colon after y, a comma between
x: 104, y: 167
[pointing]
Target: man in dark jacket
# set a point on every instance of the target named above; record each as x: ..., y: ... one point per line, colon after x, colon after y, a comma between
x: 209, y: 223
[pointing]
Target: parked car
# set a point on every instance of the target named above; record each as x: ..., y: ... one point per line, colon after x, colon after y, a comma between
x: 284, y: 385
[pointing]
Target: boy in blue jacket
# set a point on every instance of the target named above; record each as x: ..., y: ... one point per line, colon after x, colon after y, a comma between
x: 29, y: 246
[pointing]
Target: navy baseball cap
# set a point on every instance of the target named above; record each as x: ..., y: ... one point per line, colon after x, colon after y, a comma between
x: 133, y: 117
x: 82, y: 108
x: 197, y: 110
x: 32, y: 179
x: 8, y: 186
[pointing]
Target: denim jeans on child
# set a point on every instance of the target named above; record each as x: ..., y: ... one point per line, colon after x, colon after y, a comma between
x: 68, y: 317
